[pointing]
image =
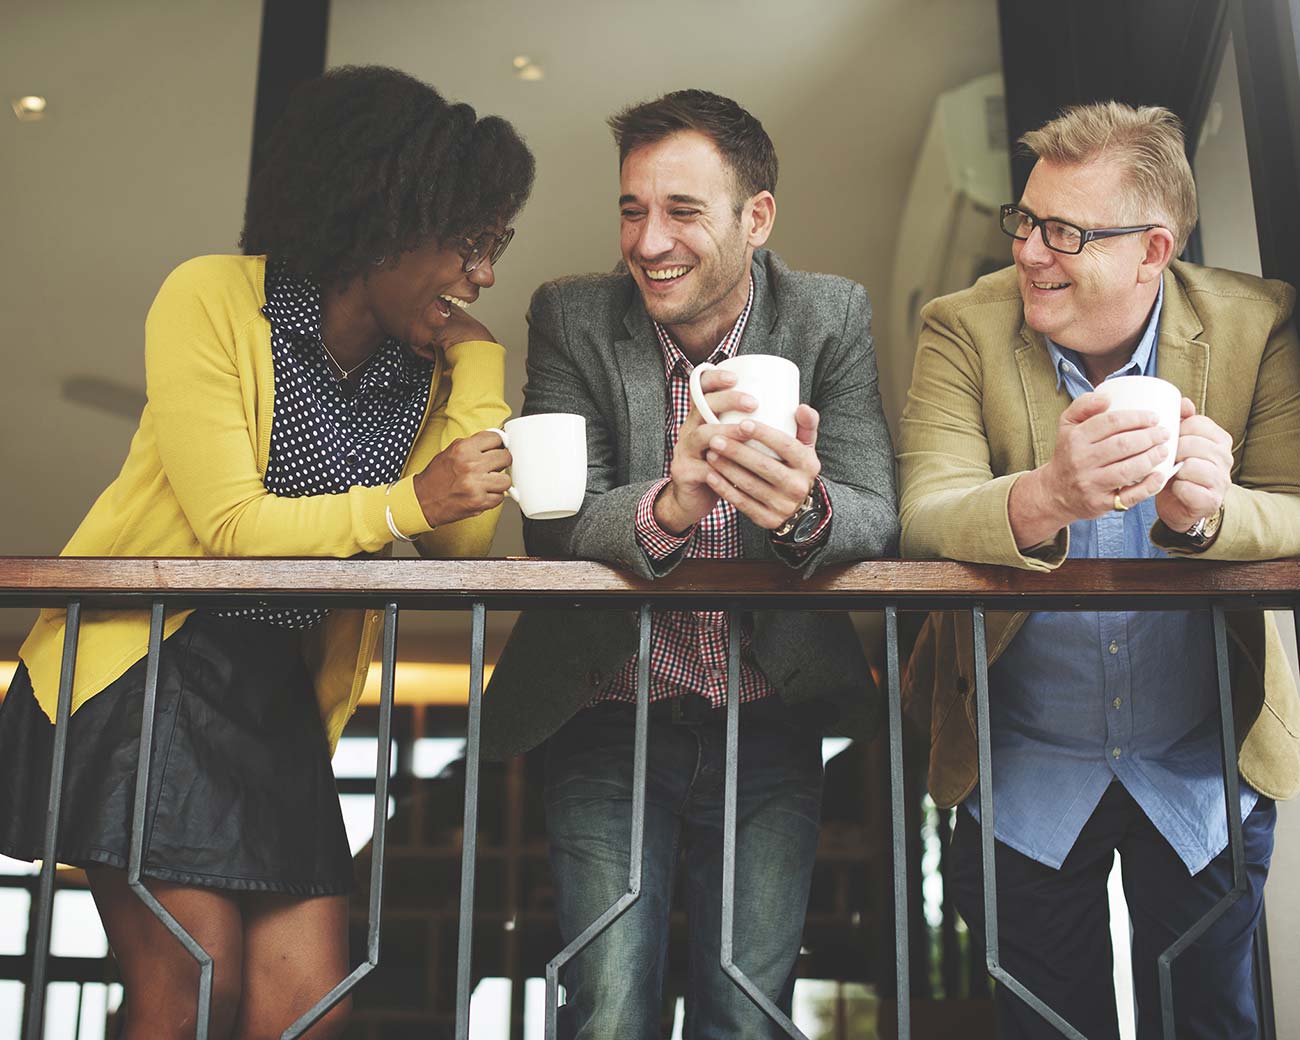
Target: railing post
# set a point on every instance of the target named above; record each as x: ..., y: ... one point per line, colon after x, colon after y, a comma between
x: 35, y: 1024
x: 148, y: 712
x: 729, y: 966
x: 383, y: 757
x: 637, y: 846
x: 984, y: 740
x: 1236, y: 843
x: 898, y: 808
x: 469, y: 829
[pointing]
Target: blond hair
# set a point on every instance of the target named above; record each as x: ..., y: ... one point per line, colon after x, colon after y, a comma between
x: 1147, y: 145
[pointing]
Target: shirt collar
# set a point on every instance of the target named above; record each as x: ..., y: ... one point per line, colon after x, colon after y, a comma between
x: 1142, y: 362
x: 292, y: 302
x: 675, y: 359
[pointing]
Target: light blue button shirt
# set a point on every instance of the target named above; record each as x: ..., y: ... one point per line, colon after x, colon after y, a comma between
x: 1079, y: 700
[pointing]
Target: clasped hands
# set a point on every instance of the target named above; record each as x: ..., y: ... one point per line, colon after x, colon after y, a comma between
x: 713, y: 461
x: 1106, y: 459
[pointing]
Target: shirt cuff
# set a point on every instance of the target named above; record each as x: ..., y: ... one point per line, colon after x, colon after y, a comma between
x: 657, y: 543
x: 823, y: 502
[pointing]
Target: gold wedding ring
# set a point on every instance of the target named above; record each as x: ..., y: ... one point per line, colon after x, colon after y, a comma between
x: 1120, y: 507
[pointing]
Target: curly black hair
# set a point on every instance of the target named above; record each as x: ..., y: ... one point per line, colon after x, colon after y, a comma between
x: 368, y: 162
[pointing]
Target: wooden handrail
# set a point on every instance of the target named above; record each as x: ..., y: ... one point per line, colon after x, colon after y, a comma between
x: 514, y: 583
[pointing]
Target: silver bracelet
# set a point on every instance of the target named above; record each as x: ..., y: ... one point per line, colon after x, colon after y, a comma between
x: 392, y: 524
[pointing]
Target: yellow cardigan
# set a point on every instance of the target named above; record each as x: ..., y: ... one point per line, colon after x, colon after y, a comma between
x: 192, y: 482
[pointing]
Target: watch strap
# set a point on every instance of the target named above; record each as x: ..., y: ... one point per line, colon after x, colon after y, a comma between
x: 1204, y: 530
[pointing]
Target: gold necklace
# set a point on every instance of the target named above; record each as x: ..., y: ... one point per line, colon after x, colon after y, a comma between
x: 344, y: 373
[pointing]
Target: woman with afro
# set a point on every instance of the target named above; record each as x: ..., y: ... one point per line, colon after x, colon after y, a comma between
x: 321, y: 395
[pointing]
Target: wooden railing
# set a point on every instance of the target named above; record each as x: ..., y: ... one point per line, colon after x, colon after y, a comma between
x: 888, y: 586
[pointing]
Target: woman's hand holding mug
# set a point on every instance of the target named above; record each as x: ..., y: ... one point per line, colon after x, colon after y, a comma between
x: 464, y: 479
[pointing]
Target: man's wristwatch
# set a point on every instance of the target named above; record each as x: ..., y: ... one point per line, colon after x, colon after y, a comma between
x: 799, y: 526
x: 1203, y: 531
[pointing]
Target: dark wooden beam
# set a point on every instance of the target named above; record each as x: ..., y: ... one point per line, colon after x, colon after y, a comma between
x: 1154, y: 52
x: 292, y: 50
x: 1266, y: 38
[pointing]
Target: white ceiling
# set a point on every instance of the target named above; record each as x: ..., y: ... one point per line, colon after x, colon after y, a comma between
x: 142, y: 161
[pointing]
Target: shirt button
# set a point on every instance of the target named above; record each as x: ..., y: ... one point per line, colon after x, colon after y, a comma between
x: 1114, y: 647
x: 351, y: 460
x: 1116, y: 703
x: 1115, y: 752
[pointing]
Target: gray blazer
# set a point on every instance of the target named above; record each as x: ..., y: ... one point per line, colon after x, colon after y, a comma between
x: 592, y: 350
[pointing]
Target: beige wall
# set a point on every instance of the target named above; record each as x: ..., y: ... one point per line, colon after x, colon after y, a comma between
x: 141, y: 162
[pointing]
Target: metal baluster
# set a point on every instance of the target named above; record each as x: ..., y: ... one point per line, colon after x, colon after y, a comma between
x: 469, y: 831
x: 729, y: 837
x: 383, y: 757
x: 35, y: 1024
x: 985, y: 744
x: 200, y: 955
x: 35, y: 1002
x: 1232, y: 804
x: 898, y: 806
x: 621, y: 905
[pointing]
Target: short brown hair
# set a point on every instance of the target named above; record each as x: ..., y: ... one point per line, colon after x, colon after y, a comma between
x: 1148, y: 145
x: 744, y: 144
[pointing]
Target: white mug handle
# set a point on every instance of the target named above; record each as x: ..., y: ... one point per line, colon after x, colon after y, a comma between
x: 505, y: 443
x: 697, y: 394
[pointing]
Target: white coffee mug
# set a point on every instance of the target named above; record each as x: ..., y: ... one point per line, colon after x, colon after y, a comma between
x: 548, y: 471
x: 1149, y: 394
x: 772, y: 380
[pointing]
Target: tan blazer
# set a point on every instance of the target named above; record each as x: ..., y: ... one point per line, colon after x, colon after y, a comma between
x: 983, y: 408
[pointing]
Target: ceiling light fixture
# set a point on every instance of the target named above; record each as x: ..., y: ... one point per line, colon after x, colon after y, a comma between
x: 527, y: 69
x: 29, y: 108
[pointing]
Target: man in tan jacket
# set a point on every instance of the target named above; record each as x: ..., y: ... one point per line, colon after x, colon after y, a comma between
x: 1105, y: 725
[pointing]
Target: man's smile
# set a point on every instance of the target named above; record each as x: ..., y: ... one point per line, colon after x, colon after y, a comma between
x: 667, y: 275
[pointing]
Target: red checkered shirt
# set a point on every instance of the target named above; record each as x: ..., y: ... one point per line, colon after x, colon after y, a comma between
x: 688, y: 649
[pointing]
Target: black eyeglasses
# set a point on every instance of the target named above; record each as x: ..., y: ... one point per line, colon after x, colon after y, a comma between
x: 488, y: 246
x: 1059, y: 235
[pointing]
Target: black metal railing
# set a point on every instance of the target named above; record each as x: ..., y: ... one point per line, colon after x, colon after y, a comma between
x: 480, y: 585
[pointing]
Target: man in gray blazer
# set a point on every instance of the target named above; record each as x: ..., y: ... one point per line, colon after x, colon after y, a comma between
x: 697, y: 174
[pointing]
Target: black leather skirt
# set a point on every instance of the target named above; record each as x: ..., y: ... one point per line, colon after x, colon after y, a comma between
x: 241, y: 794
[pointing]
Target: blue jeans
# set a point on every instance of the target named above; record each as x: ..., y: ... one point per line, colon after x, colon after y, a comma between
x: 1054, y: 925
x: 614, y: 987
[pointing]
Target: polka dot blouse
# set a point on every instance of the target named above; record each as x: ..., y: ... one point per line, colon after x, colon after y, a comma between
x: 329, y: 434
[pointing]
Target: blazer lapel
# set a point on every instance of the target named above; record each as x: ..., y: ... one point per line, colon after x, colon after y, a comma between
x: 641, y: 370
x: 1043, y: 399
x: 1182, y: 357
x: 761, y: 333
